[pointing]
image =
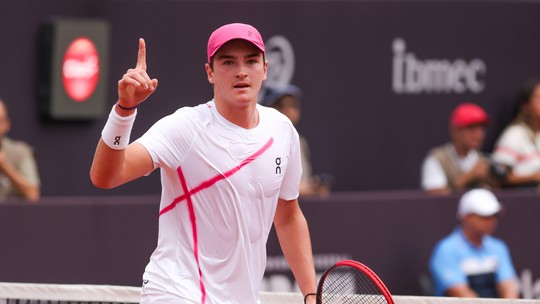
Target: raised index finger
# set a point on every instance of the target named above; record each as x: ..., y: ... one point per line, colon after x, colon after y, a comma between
x: 141, y: 56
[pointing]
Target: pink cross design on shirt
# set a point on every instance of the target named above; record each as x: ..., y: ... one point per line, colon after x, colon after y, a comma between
x: 205, y: 185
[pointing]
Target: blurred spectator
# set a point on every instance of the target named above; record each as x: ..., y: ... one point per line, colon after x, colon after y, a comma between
x: 470, y: 262
x: 287, y: 100
x: 518, y: 147
x: 459, y: 164
x: 18, y: 170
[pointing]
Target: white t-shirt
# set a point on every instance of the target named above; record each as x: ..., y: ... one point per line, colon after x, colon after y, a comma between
x: 433, y: 176
x: 517, y: 149
x: 220, y: 187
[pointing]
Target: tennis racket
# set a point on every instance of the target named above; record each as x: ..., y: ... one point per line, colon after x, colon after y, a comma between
x: 351, y: 282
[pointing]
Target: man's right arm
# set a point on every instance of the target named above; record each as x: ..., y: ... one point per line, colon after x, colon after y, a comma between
x: 480, y: 171
x: 24, y: 179
x: 115, y: 162
x: 112, y: 168
x: 508, y: 289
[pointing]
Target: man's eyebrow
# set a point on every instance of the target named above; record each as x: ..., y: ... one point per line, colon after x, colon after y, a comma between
x: 253, y: 55
x: 225, y: 56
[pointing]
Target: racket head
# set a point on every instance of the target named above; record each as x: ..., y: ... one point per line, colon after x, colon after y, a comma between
x: 351, y: 282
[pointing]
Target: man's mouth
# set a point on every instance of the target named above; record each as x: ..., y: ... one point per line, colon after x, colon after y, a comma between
x: 241, y: 86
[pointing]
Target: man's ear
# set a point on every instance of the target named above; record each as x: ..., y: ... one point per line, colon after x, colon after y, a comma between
x: 209, y: 73
x: 265, y: 69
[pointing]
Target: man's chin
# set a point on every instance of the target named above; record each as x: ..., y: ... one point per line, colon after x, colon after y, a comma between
x: 246, y: 99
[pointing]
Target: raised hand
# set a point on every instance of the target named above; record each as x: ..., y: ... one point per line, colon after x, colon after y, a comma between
x: 135, y: 86
x: 481, y: 169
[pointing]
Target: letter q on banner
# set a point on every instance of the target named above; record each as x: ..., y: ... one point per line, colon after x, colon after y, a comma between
x: 72, y: 69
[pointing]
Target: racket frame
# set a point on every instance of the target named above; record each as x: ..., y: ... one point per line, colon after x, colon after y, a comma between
x: 362, y: 268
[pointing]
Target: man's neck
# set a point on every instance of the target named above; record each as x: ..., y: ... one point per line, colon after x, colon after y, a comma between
x: 534, y: 124
x: 244, y: 117
x: 461, y: 150
x: 474, y: 238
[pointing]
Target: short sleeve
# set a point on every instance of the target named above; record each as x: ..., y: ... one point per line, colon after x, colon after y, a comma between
x: 445, y: 268
x: 433, y: 176
x: 506, y: 269
x: 28, y: 168
x: 509, y: 147
x: 290, y: 187
x: 169, y: 139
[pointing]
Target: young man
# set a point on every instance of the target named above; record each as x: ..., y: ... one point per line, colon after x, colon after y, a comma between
x: 470, y: 262
x: 229, y: 169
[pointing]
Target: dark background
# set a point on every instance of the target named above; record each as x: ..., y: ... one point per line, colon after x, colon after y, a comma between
x: 359, y: 130
x: 109, y: 239
x: 370, y: 138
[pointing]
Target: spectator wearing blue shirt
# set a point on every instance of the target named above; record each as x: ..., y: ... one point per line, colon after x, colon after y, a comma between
x: 470, y: 262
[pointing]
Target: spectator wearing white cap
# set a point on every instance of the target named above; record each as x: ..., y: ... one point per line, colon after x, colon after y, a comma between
x: 459, y: 164
x: 470, y: 262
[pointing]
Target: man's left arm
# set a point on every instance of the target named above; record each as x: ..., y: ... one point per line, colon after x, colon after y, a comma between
x: 293, y: 234
x: 508, y: 289
x: 507, y: 285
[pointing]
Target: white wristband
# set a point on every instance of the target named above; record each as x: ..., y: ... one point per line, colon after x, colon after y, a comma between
x: 117, y: 130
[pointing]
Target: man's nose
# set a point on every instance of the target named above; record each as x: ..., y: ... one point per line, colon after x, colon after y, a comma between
x: 242, y: 71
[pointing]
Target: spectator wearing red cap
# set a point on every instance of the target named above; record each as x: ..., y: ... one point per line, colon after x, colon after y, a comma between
x: 230, y: 169
x: 518, y: 147
x: 459, y: 164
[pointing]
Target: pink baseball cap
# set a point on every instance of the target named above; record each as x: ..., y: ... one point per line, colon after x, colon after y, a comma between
x: 467, y: 114
x: 232, y: 31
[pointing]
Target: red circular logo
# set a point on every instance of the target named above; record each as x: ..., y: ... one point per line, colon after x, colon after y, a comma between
x: 80, y: 69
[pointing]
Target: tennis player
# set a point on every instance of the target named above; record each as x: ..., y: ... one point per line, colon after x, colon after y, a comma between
x: 229, y: 169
